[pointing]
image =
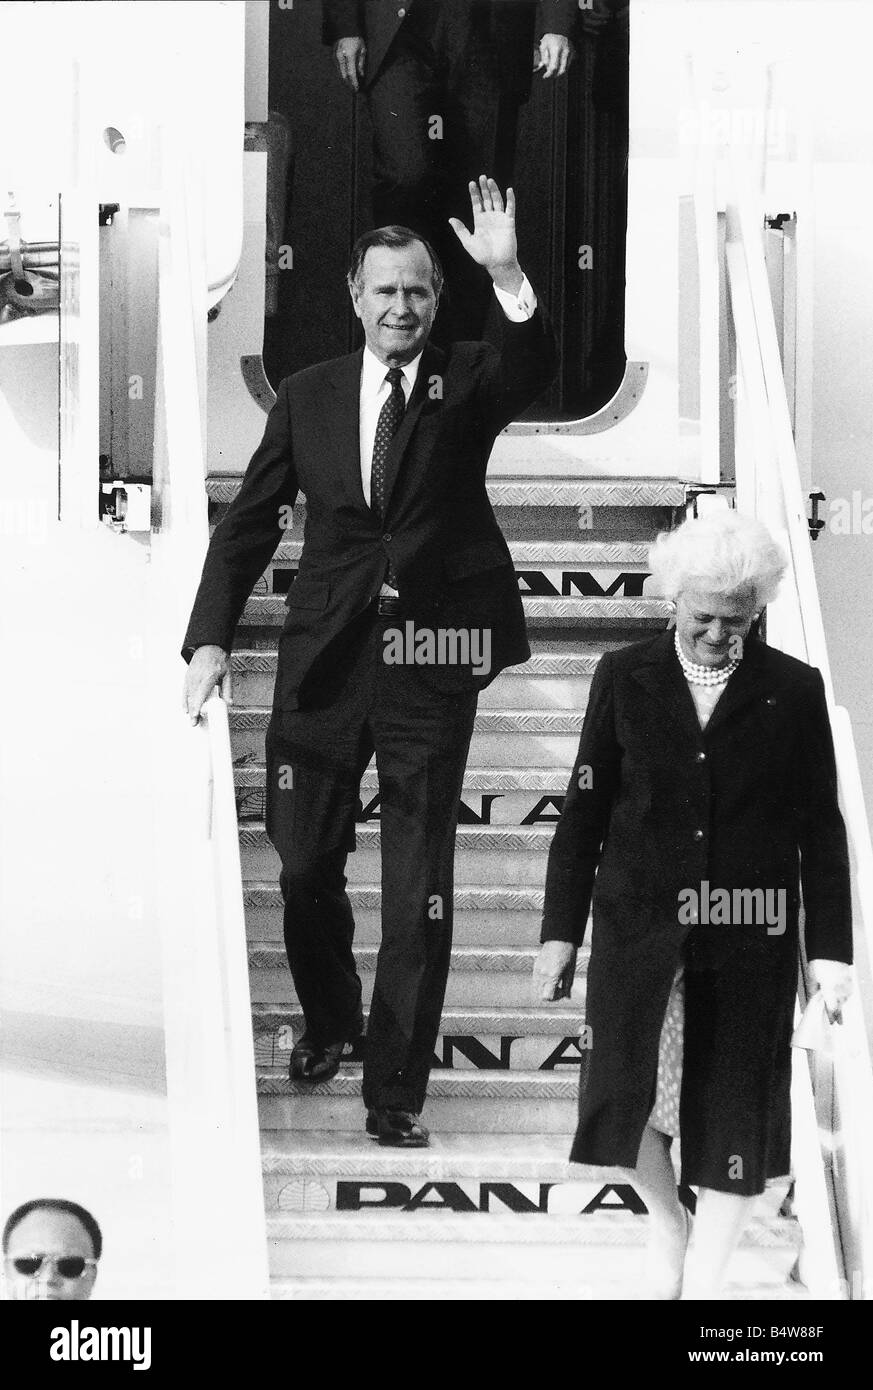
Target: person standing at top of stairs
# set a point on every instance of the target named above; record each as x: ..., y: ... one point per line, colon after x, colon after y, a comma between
x: 406, y: 604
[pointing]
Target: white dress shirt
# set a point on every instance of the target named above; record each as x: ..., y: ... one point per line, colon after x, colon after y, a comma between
x: 375, y: 389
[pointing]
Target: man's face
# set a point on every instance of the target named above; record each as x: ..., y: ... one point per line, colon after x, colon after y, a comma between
x: 61, y: 1236
x: 395, y: 301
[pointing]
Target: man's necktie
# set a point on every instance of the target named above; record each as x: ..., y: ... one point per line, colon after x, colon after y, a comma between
x: 390, y: 415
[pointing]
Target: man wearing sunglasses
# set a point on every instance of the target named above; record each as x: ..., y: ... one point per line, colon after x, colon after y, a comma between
x: 50, y: 1251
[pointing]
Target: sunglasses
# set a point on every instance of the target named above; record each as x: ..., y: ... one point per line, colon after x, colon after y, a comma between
x: 67, y: 1266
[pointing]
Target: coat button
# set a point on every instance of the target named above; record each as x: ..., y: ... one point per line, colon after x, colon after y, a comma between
x: 387, y: 536
x: 701, y: 757
x: 401, y: 14
x: 698, y: 834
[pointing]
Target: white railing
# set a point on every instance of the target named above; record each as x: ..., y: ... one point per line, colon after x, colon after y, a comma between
x: 768, y: 486
x: 219, y: 1222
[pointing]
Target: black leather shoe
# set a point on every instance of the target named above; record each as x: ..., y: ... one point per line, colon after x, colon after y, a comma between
x: 314, y: 1062
x: 398, y: 1129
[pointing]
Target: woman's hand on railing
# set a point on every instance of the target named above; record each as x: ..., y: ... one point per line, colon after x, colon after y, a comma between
x: 207, y: 668
x: 834, y: 979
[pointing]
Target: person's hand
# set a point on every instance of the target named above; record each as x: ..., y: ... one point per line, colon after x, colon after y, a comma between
x: 207, y: 667
x: 553, y: 972
x: 834, y: 979
x: 350, y: 55
x: 492, y: 242
x: 554, y: 56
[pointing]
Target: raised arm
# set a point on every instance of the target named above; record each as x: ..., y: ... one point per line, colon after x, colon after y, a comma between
x: 527, y: 361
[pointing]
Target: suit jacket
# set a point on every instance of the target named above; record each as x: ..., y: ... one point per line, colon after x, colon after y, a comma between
x: 453, y: 565
x: 514, y: 25
x: 749, y: 801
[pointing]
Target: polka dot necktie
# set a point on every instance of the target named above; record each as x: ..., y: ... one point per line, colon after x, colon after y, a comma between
x: 390, y: 415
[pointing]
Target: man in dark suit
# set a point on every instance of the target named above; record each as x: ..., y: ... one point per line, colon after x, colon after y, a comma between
x: 444, y: 81
x: 405, y: 605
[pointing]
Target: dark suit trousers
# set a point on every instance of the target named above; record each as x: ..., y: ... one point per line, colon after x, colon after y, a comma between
x: 314, y: 766
x: 443, y: 68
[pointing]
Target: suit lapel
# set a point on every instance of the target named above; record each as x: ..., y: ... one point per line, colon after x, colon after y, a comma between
x: 340, y: 402
x: 749, y: 682
x: 432, y: 361
x: 661, y: 675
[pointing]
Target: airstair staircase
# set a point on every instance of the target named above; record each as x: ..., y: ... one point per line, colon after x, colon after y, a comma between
x: 492, y: 1209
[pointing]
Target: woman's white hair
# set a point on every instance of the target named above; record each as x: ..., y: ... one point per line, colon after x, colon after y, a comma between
x: 720, y: 553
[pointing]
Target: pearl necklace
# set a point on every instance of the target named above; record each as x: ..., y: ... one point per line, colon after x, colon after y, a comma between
x: 704, y: 675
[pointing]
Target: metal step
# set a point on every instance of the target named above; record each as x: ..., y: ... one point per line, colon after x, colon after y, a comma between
x: 597, y: 1248
x: 471, y: 1038
x: 464, y: 1173
x: 484, y: 854
x: 502, y: 915
x: 491, y: 796
x: 539, y: 1285
x: 549, y: 680
x: 636, y: 615
x: 514, y: 738
x: 478, y: 978
x: 458, y: 1102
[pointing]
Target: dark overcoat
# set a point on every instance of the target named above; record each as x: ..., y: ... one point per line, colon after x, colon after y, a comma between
x: 659, y: 815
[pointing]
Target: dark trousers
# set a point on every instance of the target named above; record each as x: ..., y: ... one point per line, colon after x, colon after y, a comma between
x: 440, y: 65
x: 314, y: 767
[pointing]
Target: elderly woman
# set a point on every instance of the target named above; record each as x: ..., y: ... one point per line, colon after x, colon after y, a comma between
x: 703, y: 798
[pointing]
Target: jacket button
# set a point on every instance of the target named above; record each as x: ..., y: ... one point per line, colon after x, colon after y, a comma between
x: 401, y: 14
x: 698, y: 834
x: 701, y: 757
x: 387, y: 536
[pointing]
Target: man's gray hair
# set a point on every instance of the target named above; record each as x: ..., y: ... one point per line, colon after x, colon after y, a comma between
x: 721, y: 553
x: 395, y: 237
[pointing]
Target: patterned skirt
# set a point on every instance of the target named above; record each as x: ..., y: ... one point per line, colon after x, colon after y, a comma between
x: 665, y: 1112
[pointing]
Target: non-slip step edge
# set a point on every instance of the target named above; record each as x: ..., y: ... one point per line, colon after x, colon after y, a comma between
x: 514, y: 960
x: 491, y: 1085
x: 525, y: 839
x: 222, y: 488
x: 615, y: 1228
x: 368, y: 896
x: 458, y: 1021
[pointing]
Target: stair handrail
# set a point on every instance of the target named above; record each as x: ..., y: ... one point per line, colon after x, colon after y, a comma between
x: 773, y: 492
x: 219, y: 1218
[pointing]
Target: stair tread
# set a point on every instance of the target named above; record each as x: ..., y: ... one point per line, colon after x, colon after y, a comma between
x: 258, y: 893
x: 545, y: 721
x: 539, y: 1287
x: 537, y: 1228
x: 531, y: 551
x: 461, y: 1020
x: 546, y: 490
x: 516, y: 959
x: 492, y: 1084
x: 607, y: 611
x: 550, y: 659
x: 468, y: 836
x: 252, y: 774
x: 286, y: 1151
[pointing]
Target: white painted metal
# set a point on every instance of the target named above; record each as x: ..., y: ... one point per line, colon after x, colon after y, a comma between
x: 795, y: 625
x: 220, y: 1239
